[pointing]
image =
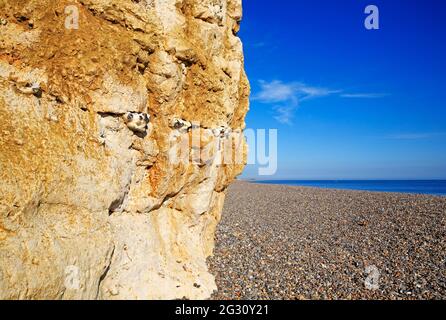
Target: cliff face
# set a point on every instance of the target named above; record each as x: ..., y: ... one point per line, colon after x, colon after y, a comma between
x: 92, y: 204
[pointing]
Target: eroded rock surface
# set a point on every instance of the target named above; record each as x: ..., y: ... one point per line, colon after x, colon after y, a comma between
x: 89, y: 207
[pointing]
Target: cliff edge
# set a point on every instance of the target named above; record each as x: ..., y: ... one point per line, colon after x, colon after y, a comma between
x: 115, y: 116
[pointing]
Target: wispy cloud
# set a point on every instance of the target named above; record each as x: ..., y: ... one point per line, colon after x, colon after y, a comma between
x: 278, y: 91
x: 415, y: 136
x: 286, y: 97
x: 259, y: 44
x: 363, y: 95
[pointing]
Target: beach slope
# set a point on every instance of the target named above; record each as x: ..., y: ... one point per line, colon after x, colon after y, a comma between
x: 283, y: 242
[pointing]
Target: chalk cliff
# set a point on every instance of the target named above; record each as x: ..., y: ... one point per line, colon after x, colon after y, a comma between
x: 97, y: 100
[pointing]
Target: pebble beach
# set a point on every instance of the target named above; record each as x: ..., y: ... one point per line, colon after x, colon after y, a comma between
x: 285, y: 242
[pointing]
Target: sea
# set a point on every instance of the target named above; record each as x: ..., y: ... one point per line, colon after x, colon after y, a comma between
x: 431, y: 187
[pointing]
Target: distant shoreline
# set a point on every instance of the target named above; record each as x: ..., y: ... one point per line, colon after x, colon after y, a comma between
x: 426, y: 187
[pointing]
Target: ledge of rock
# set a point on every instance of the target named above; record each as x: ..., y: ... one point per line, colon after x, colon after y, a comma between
x: 94, y: 94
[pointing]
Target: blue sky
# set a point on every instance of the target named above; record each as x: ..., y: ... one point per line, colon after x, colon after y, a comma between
x: 349, y: 103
